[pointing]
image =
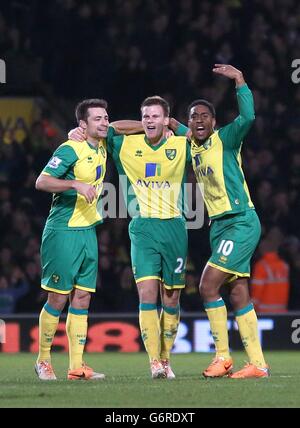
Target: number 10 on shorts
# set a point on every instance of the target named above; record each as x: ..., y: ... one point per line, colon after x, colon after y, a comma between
x: 225, y: 247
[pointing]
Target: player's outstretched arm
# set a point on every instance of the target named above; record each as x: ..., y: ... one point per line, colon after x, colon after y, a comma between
x: 127, y: 127
x: 120, y: 127
x: 50, y: 184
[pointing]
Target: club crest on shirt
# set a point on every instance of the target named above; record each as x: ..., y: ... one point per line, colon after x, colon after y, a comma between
x: 171, y: 153
x: 55, y: 278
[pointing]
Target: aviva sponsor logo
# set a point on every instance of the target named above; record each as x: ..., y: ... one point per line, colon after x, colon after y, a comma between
x: 152, y: 169
x: 204, y: 170
x: 197, y: 160
x: 98, y: 172
x: 153, y: 184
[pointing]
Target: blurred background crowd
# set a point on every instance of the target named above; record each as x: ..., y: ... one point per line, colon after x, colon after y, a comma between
x: 123, y: 51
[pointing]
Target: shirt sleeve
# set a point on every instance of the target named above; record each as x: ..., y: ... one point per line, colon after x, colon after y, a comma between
x: 116, y: 145
x: 181, y: 130
x: 232, y: 134
x: 110, y: 139
x: 63, y: 159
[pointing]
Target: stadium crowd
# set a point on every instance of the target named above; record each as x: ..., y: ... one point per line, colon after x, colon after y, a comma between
x: 124, y: 51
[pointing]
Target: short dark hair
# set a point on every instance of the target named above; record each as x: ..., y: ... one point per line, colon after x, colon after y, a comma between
x: 81, y: 111
x: 202, y: 103
x: 157, y: 100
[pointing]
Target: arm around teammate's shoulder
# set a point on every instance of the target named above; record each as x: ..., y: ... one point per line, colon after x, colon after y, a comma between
x: 179, y: 128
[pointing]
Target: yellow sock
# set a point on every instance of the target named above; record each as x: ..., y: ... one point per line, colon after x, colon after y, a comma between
x: 48, y: 322
x: 247, y: 322
x: 169, y: 321
x: 77, y: 331
x: 217, y: 315
x: 150, y: 329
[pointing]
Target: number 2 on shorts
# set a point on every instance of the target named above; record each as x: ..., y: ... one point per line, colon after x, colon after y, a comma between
x: 180, y: 265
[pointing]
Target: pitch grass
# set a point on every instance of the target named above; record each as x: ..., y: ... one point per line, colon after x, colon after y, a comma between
x: 128, y: 383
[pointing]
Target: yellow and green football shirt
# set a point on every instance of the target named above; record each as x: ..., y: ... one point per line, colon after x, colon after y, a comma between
x: 153, y: 177
x: 76, y: 161
x: 217, y: 162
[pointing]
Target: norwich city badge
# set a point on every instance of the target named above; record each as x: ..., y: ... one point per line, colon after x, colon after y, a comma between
x: 55, y: 278
x: 171, y: 153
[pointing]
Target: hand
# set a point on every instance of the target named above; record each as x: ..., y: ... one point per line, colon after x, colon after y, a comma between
x: 169, y: 133
x: 86, y: 190
x: 231, y: 72
x: 77, y: 134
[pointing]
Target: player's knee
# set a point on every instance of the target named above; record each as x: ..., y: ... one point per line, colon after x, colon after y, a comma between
x: 207, y: 290
x: 146, y: 296
x: 171, y: 298
x: 81, y: 299
x: 239, y: 296
x: 57, y: 301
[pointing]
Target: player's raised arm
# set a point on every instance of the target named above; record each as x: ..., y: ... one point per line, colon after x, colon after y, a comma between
x: 230, y: 72
x: 240, y: 126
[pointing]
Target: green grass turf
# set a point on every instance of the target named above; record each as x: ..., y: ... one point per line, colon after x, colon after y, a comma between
x: 128, y: 383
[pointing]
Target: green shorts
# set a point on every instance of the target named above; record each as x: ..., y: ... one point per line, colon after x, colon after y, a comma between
x: 233, y: 239
x: 69, y: 259
x: 159, y: 250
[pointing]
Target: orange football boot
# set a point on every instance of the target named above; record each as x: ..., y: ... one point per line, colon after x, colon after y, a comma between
x: 251, y: 371
x: 84, y: 373
x: 219, y: 367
